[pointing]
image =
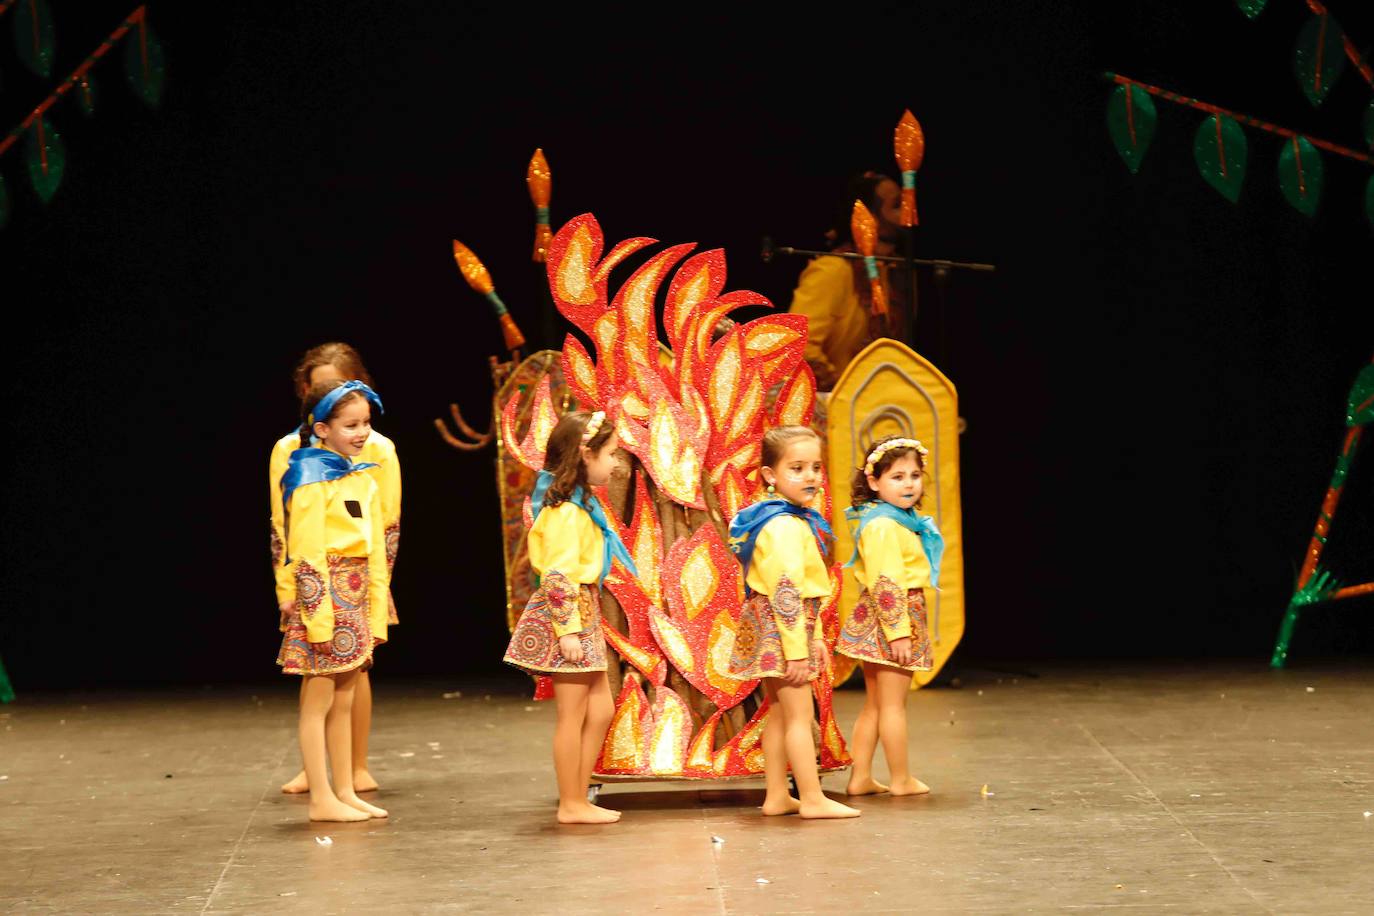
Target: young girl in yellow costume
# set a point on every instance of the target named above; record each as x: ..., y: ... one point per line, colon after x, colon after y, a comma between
x: 571, y: 546
x: 336, y: 554
x: 339, y: 362
x: 779, y: 635
x: 896, y: 557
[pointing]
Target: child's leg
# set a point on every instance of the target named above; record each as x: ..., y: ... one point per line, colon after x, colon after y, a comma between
x: 777, y: 798
x: 362, y: 728
x: 338, y: 729
x: 600, y: 711
x: 298, y: 784
x: 894, y: 685
x: 795, y: 705
x: 317, y: 696
x: 864, y: 744
x: 570, y: 692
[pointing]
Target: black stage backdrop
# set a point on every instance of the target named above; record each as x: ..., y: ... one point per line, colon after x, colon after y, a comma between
x: 1153, y: 380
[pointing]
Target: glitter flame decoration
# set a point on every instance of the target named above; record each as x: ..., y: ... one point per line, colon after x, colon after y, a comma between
x: 864, y: 228
x: 909, y: 145
x: 694, y: 425
x: 540, y: 181
x: 475, y: 272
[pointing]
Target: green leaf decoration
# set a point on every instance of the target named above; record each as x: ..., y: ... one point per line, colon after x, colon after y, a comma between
x: 1221, y: 151
x: 86, y: 95
x: 1360, y: 409
x: 1320, y: 57
x: 1131, y: 122
x: 1300, y: 175
x: 47, y: 158
x: 4, y: 204
x: 1251, y: 8
x: 143, y: 64
x: 34, y: 35
x: 1369, y: 125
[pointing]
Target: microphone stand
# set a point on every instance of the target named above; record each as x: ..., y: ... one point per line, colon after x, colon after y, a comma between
x: 940, y: 266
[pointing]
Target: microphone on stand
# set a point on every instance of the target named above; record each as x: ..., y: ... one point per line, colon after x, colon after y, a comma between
x: 767, y: 251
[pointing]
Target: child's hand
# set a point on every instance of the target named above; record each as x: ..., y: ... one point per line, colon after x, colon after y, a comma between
x: 571, y: 648
x: 822, y: 654
x: 901, y: 650
x: 286, y: 607
x: 797, y: 672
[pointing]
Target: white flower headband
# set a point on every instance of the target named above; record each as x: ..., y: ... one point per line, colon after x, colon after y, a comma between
x: 883, y: 448
x: 593, y: 425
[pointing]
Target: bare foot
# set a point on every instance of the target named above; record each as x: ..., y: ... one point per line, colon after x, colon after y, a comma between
x: 355, y: 802
x: 363, y: 781
x: 866, y: 786
x: 586, y: 814
x: 910, y: 786
x: 827, y: 807
x: 608, y: 811
x: 788, y: 805
x: 298, y: 785
x: 335, y: 810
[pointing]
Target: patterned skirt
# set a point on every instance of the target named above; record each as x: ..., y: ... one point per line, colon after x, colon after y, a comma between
x: 758, y: 642
x: 352, y: 644
x: 534, y: 649
x: 863, y: 638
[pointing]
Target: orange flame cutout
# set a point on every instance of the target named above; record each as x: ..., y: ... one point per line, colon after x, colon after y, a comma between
x: 865, y: 230
x: 909, y: 144
x: 530, y: 450
x: 540, y: 181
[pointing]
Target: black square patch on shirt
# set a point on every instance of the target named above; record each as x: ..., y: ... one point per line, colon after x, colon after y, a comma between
x: 354, y: 508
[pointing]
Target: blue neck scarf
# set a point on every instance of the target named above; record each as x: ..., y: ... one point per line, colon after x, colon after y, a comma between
x: 313, y: 465
x: 613, y: 546
x: 745, y: 526
x: 923, y: 526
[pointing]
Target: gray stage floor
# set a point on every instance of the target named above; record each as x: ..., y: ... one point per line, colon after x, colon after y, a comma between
x: 1190, y: 790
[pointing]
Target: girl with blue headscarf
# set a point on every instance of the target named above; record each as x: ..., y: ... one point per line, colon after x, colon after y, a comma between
x: 336, y: 554
x: 337, y: 361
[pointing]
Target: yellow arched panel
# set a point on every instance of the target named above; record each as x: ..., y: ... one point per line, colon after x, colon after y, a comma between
x: 888, y: 389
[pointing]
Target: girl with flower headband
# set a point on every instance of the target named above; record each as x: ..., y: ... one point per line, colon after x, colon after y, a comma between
x: 896, y: 556
x: 571, y: 546
x: 339, y: 362
x: 336, y: 556
x: 778, y: 542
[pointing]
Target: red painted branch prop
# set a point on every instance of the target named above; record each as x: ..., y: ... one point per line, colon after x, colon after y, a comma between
x: 1351, y: 54
x: 134, y: 18
x: 1241, y: 118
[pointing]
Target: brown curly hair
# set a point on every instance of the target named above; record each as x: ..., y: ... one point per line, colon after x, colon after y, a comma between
x: 860, y: 490
x: 563, y: 457
x: 339, y: 355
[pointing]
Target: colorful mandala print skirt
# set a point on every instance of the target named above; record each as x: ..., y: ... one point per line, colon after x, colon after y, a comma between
x: 533, y: 647
x: 758, y: 642
x: 353, y: 642
x: 393, y: 542
x: 863, y: 637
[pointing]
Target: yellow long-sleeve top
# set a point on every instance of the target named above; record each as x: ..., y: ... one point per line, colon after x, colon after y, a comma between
x: 889, y: 551
x: 837, y: 323
x: 339, y: 518
x: 567, y: 549
x: 786, y: 549
x: 379, y: 450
